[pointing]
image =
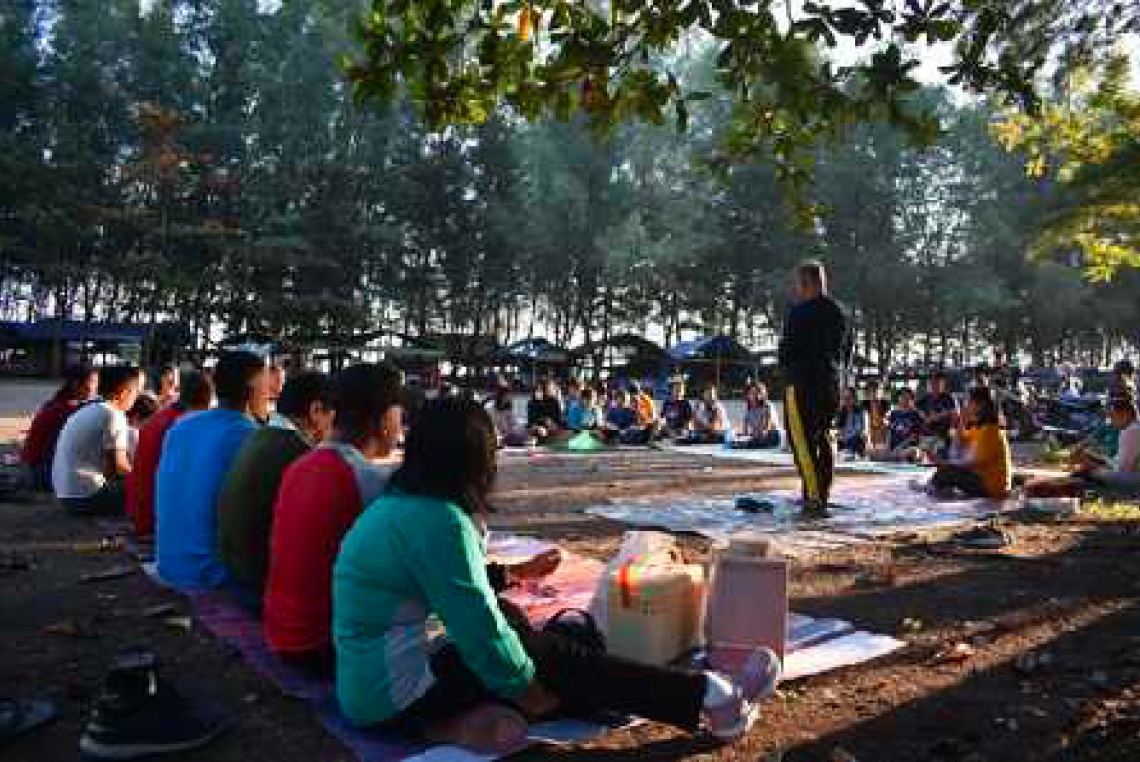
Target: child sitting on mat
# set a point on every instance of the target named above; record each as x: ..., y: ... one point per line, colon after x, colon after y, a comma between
x: 985, y: 469
x: 621, y: 425
x: 852, y: 425
x: 710, y: 419
x: 904, y: 430
x: 420, y: 550
x: 760, y: 430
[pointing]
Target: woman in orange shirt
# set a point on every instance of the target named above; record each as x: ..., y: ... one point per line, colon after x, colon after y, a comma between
x: 985, y: 468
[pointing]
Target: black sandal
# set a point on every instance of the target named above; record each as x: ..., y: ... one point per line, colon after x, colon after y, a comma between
x: 18, y: 717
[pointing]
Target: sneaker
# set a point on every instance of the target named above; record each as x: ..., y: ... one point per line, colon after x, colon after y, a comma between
x: 754, y: 505
x: 138, y: 714
x: 816, y: 510
x: 753, y: 683
x: 486, y: 729
x: 988, y: 537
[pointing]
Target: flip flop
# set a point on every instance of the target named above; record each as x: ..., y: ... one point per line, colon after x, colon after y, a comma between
x: 18, y: 717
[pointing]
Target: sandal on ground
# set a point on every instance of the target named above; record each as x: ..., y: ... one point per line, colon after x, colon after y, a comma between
x: 18, y: 717
x: 989, y: 537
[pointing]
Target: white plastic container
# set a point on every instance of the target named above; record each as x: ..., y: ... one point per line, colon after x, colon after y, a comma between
x: 747, y: 604
x: 654, y: 610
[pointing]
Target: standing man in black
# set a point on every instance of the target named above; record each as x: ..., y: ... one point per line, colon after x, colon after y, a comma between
x: 813, y: 352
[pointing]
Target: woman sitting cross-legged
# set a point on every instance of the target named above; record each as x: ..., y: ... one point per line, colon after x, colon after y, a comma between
x: 985, y: 469
x: 420, y: 550
x: 852, y: 425
x: 760, y: 429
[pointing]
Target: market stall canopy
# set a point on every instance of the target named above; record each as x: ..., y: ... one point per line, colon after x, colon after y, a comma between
x: 75, y: 330
x: 625, y: 344
x: 463, y: 348
x: 536, y: 350
x: 258, y: 343
x: 712, y: 349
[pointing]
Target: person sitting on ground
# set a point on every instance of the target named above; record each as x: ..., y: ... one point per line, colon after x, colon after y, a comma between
x: 421, y: 550
x: 195, y: 393
x: 138, y: 416
x: 544, y: 417
x: 877, y: 407
x: 245, y: 504
x: 623, y: 424
x: 321, y: 496
x: 196, y: 457
x: 760, y: 428
x: 91, y: 457
x: 1123, y: 384
x: 984, y: 470
x: 265, y: 411
x: 644, y: 405
x: 502, y: 410
x: 573, y: 399
x: 169, y: 381
x: 1091, y: 471
x: 851, y: 423
x: 904, y: 425
x: 80, y: 384
x: 710, y: 419
x: 939, y: 409
x: 677, y: 412
x: 587, y: 416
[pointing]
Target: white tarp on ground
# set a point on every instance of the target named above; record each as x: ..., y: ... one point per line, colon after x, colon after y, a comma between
x: 861, y: 511
x: 784, y: 459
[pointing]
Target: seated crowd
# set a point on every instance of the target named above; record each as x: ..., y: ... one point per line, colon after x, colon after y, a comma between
x: 287, y: 495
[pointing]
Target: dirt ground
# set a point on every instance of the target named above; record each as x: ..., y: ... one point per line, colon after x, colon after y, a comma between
x: 1047, y: 635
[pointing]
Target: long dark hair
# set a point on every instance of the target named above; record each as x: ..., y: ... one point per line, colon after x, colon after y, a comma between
x: 983, y: 397
x: 449, y: 454
x: 73, y: 380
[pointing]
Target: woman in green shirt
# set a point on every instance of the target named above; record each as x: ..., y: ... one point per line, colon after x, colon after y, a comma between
x: 420, y: 550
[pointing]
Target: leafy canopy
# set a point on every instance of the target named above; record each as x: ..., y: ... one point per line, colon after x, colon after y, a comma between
x: 459, y: 60
x: 1091, y: 140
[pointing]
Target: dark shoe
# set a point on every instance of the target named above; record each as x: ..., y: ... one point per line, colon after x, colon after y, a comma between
x: 816, y: 510
x: 754, y: 505
x: 18, y: 717
x: 988, y: 537
x: 137, y: 714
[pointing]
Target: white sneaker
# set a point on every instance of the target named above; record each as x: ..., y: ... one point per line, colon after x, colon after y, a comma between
x: 755, y: 682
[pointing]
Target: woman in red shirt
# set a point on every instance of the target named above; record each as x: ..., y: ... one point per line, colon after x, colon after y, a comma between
x: 80, y: 384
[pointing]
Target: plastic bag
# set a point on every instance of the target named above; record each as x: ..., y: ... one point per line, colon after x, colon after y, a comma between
x: 642, y: 547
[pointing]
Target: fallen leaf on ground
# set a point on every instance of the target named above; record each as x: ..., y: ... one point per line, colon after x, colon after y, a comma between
x: 115, y: 572
x: 183, y: 623
x: 959, y: 652
x: 105, y: 545
x: 71, y: 628
x: 162, y: 609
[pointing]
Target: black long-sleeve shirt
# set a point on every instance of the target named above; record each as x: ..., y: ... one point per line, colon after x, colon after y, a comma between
x: 816, y: 342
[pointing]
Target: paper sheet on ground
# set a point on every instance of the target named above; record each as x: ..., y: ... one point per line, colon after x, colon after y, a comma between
x: 784, y: 459
x: 862, y: 511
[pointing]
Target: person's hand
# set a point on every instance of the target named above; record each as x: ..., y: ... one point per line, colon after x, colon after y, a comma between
x: 538, y: 703
x: 540, y: 566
